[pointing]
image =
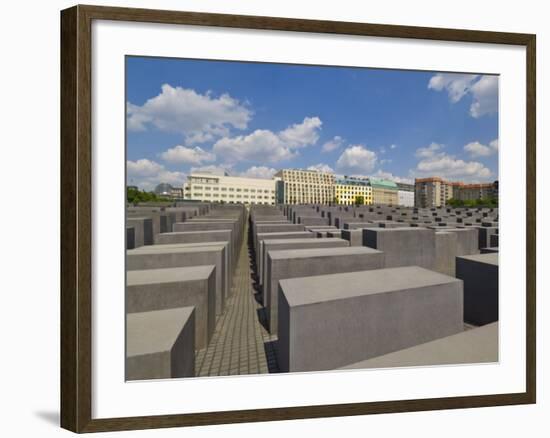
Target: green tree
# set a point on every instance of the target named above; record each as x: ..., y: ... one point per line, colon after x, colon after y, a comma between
x: 359, y: 200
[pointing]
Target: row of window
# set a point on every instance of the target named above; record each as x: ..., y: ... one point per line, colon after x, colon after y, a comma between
x: 224, y: 195
x: 230, y: 189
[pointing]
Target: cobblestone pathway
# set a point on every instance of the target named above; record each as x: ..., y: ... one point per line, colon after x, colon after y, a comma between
x: 240, y: 344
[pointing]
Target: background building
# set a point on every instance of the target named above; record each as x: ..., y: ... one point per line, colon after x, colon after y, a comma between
x: 405, y: 194
x: 471, y: 192
x: 230, y: 189
x: 164, y: 190
x: 432, y: 192
x: 384, y: 191
x: 436, y: 192
x: 298, y: 186
x: 348, y: 189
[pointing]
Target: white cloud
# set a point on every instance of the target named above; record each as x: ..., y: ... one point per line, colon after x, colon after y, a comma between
x: 476, y: 149
x: 321, y: 167
x: 388, y: 175
x: 429, y: 151
x: 356, y: 159
x: 143, y: 168
x: 146, y: 174
x: 302, y: 134
x: 199, y: 117
x: 333, y: 144
x: 483, y: 89
x: 393, y: 146
x: 448, y: 166
x: 182, y: 154
x: 259, y: 172
x: 266, y: 146
x: 485, y: 93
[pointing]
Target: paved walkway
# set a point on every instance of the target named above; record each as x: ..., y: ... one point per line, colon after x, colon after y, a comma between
x: 240, y: 344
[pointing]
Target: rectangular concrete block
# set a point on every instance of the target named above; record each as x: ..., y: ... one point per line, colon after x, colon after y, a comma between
x: 272, y: 236
x: 477, y: 345
x: 353, y: 236
x: 160, y: 344
x: 445, y: 252
x: 159, y: 289
x: 467, y: 241
x: 130, y: 237
x: 199, y: 237
x: 199, y: 226
x: 485, y: 234
x: 137, y: 260
x: 311, y: 262
x: 143, y: 230
x: 286, y: 244
x: 171, y: 246
x: 329, y: 321
x: 480, y: 276
x: 403, y: 246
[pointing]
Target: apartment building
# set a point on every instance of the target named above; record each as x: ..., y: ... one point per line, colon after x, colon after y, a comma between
x: 209, y: 187
x: 348, y: 189
x: 298, y: 186
x: 435, y: 191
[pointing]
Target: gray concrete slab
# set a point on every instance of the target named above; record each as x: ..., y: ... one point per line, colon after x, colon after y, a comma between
x: 403, y: 246
x: 130, y: 237
x: 160, y: 344
x: 445, y: 252
x: 480, y: 276
x: 137, y: 260
x: 329, y: 321
x: 311, y: 262
x: 272, y: 236
x: 159, y: 289
x: 477, y: 345
x: 199, y: 237
x: 467, y: 240
x: 286, y: 244
x: 143, y: 230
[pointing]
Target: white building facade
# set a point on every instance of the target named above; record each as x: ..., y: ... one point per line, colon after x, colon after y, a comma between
x: 300, y: 186
x: 208, y: 187
x: 405, y: 194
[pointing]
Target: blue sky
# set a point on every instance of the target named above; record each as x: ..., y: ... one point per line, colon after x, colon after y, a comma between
x: 252, y: 119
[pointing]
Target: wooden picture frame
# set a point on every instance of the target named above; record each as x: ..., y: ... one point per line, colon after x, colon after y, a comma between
x: 76, y: 217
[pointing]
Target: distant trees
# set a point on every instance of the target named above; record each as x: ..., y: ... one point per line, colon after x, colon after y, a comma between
x: 484, y: 202
x: 133, y: 196
x: 359, y: 200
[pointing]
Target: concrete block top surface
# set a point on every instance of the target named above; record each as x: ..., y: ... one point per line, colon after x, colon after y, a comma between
x: 220, y: 232
x: 168, y: 275
x: 478, y: 345
x: 398, y: 229
x: 322, y: 288
x: 305, y: 241
x: 491, y: 258
x: 156, y: 330
x: 284, y: 233
x: 171, y: 247
x: 321, y: 252
x: 178, y: 249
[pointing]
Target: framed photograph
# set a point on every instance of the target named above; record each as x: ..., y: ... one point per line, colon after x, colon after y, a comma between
x: 268, y: 218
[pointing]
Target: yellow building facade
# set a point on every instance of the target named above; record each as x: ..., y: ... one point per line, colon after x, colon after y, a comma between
x: 346, y: 191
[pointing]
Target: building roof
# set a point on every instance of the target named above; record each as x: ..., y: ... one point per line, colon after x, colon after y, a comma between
x: 383, y: 183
